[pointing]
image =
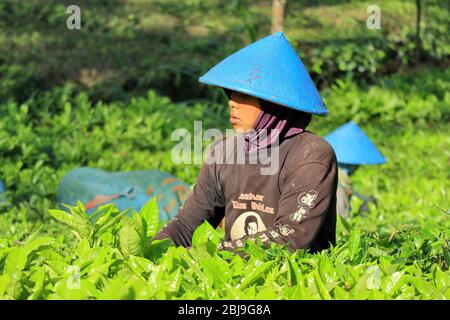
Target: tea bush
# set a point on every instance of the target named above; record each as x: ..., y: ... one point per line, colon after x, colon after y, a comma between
x: 398, y: 249
x: 124, y: 48
x: 115, y: 258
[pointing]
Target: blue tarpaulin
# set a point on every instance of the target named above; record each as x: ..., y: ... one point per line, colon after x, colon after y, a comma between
x: 127, y: 190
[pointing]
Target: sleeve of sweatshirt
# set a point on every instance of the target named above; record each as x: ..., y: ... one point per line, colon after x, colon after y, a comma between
x: 306, y: 197
x: 206, y: 203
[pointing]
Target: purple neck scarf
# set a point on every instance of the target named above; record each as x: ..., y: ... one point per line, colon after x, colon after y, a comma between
x: 289, y: 122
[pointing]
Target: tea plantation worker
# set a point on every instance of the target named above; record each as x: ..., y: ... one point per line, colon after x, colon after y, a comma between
x: 353, y: 148
x: 271, y: 97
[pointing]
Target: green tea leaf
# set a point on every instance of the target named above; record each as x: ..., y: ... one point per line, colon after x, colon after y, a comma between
x: 213, y: 270
x: 394, y: 282
x: 294, y: 274
x: 204, y: 233
x: 157, y: 249
x: 138, y: 223
x: 255, y: 250
x: 114, y: 289
x: 15, y: 261
x: 354, y: 242
x: 175, y: 281
x: 62, y: 216
x: 346, y: 225
x: 441, y: 279
x: 130, y: 241
x: 150, y: 213
x: 102, y: 214
x: 81, y: 225
x: 323, y: 293
x: 339, y: 293
x: 38, y: 278
x: 35, y: 244
x: 4, y: 283
x: 139, y: 265
x: 254, y: 274
x: 111, y: 222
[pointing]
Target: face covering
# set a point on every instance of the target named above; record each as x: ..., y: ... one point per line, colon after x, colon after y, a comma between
x: 288, y: 122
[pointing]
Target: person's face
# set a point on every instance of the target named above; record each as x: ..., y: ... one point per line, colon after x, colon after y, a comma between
x: 252, y: 228
x: 244, y: 111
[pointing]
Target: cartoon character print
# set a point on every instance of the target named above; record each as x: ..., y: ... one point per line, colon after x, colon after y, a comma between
x: 298, y: 215
x: 247, y: 224
x: 308, y: 198
x: 274, y: 234
x: 285, y: 230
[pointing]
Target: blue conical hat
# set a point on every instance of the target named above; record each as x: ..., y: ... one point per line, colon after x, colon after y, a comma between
x: 352, y: 146
x: 271, y: 70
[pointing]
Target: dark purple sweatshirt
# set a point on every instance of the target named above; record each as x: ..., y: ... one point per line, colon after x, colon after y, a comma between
x: 295, y: 206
